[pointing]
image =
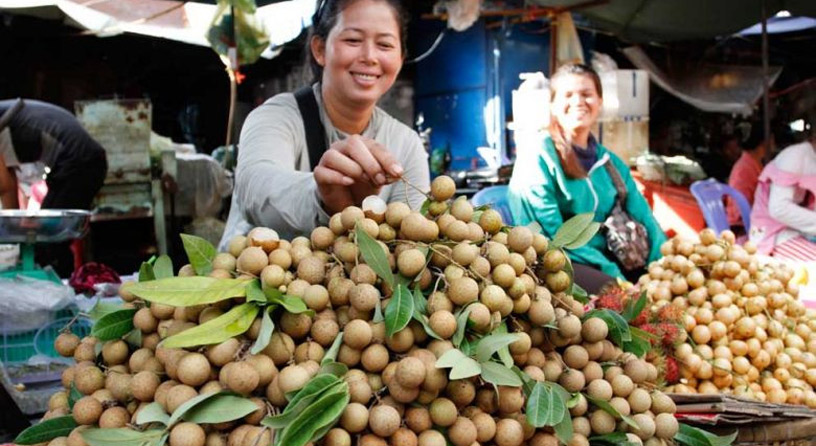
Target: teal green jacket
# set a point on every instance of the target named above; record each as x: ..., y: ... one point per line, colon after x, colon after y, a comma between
x: 540, y: 191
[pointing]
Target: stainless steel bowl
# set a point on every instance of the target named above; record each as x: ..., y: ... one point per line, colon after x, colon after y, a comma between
x: 43, y: 226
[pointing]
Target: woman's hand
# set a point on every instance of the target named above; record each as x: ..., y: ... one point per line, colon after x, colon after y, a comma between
x: 353, y: 169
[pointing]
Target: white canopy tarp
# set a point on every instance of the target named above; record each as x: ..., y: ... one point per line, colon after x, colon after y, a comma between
x: 186, y: 22
x: 711, y: 88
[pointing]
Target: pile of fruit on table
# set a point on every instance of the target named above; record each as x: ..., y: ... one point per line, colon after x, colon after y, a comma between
x: 388, y: 327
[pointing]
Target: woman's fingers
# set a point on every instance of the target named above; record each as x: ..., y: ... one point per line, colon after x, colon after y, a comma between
x: 335, y: 160
x: 386, y: 160
x: 326, y: 176
x: 357, y: 149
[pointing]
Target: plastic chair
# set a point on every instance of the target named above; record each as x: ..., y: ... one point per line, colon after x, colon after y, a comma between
x: 496, y: 197
x: 709, y: 194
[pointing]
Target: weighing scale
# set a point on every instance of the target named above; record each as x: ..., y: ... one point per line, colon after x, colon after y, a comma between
x: 42, y: 226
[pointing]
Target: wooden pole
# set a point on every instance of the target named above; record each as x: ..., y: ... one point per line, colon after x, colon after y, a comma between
x: 766, y: 103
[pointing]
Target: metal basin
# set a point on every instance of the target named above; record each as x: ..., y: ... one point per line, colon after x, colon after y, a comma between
x: 43, y: 226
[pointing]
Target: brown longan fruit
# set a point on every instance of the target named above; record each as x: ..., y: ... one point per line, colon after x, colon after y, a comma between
x: 354, y: 418
x: 666, y: 426
x: 357, y: 334
x: 410, y: 372
x: 602, y: 422
x: 178, y: 395
x: 600, y: 389
x: 662, y: 403
x: 442, y: 188
x: 622, y: 385
x: 418, y: 419
x: 594, y: 329
x: 646, y: 426
x: 312, y: 269
x: 144, y: 385
x: 87, y: 410
x: 639, y: 400
x: 252, y: 260
x: 114, y: 417
x: 569, y: 326
x: 463, y: 432
x: 401, y: 341
x: 443, y: 323
x: 66, y: 343
x: 576, y: 357
x: 363, y: 297
x: 89, y: 379
x: 374, y: 358
x: 511, y: 399
x: 431, y: 438
x: 509, y: 432
x: 193, y: 369
x: 187, y: 434
x: 115, y: 352
x: 324, y: 331
x: 384, y: 420
x: 281, y: 348
x: 75, y: 437
x: 636, y: 369
x: 572, y: 380
x: 145, y: 321
x: 241, y: 377
x: 443, y: 412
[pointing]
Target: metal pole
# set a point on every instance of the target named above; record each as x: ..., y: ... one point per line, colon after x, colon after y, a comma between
x: 766, y: 118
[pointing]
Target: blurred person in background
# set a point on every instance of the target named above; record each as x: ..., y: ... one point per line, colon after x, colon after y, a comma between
x: 745, y: 173
x: 783, y: 219
x: 568, y: 175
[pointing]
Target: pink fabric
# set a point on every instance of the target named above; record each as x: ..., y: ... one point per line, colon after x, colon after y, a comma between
x: 797, y: 248
x: 744, y: 177
x: 762, y: 223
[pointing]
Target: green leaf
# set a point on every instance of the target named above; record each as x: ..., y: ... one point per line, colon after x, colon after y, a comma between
x: 265, y: 334
x: 374, y: 255
x: 426, y: 205
x: 163, y: 267
x: 220, y: 409
x: 114, y: 325
x: 563, y: 429
x: 322, y: 412
x: 618, y: 327
x: 692, y: 436
x: 134, y: 338
x: 47, y: 430
x: 254, y: 293
x: 334, y: 368
x: 465, y: 369
x: 426, y: 325
x: 102, y: 308
x: 584, y: 237
x: 331, y: 353
x: 189, y: 404
x: 200, y: 252
x: 499, y: 375
x: 378, y: 315
x: 579, y: 293
x: 489, y: 345
x: 120, y: 437
x: 613, y: 439
x: 571, y: 229
x: 477, y: 214
x: 504, y: 352
x: 399, y: 310
x: 574, y: 400
x: 606, y: 407
x: 292, y: 304
x: 633, y: 307
x: 315, y: 387
x: 228, y: 325
x: 420, y: 303
x: 189, y: 291
x: 146, y: 272
x: 74, y: 395
x: 449, y: 359
x: 535, y: 227
x: 528, y: 383
x: 461, y: 325
x: 153, y: 413
x: 543, y: 407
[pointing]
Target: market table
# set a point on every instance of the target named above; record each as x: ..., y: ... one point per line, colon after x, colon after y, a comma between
x: 674, y: 208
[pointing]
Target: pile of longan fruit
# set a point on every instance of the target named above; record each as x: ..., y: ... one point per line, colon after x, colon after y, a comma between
x: 458, y: 256
x: 746, y: 332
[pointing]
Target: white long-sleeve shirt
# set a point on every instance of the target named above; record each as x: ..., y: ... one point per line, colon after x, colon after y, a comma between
x: 787, y: 204
x: 274, y: 185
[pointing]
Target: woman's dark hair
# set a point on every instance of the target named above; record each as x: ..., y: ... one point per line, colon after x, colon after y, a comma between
x: 569, y: 161
x: 325, y: 18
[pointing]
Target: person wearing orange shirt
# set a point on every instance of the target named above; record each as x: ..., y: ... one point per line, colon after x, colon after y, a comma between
x: 745, y: 173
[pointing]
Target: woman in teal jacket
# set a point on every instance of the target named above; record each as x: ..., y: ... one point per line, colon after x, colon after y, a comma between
x: 566, y: 175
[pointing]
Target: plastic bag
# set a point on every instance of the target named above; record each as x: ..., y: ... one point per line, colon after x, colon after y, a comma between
x: 27, y: 304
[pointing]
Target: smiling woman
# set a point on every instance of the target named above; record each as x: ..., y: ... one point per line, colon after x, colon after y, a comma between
x: 571, y: 174
x: 307, y: 155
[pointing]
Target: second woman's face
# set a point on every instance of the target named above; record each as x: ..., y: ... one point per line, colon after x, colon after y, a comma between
x: 362, y: 55
x: 576, y: 103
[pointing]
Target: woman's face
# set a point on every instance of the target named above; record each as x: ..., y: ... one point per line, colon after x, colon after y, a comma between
x: 362, y: 55
x: 575, y: 103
